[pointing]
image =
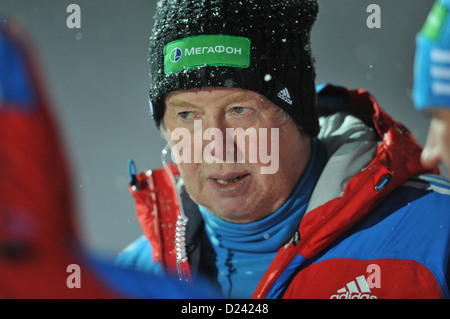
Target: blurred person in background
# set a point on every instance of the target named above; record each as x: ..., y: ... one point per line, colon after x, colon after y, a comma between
x: 432, y: 83
x: 40, y: 252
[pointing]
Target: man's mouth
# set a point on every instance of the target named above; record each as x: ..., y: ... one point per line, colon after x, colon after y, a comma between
x: 229, y: 181
x: 230, y: 184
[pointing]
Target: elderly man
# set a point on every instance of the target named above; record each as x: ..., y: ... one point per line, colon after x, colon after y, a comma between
x: 338, y: 210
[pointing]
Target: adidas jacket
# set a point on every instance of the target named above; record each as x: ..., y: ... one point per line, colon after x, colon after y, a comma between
x: 377, y: 225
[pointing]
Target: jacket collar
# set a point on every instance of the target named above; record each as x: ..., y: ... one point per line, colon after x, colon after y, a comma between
x: 394, y: 157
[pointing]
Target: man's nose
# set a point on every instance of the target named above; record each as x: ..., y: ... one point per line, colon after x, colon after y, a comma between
x: 218, y: 141
x: 432, y: 152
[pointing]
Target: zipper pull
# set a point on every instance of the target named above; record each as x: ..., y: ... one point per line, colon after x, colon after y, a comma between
x: 132, y: 175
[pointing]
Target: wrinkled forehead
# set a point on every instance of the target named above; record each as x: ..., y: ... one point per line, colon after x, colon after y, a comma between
x: 205, y: 93
x: 209, y: 94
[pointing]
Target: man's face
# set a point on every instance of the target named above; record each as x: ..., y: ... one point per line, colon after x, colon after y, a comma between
x: 437, y: 147
x: 236, y: 191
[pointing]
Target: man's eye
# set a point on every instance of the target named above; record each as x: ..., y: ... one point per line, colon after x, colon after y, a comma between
x: 240, y: 110
x: 186, y: 115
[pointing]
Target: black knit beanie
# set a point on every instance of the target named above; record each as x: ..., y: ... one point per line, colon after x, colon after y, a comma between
x: 257, y: 45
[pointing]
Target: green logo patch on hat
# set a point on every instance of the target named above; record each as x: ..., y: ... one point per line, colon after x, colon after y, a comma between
x: 201, y: 50
x: 435, y: 20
